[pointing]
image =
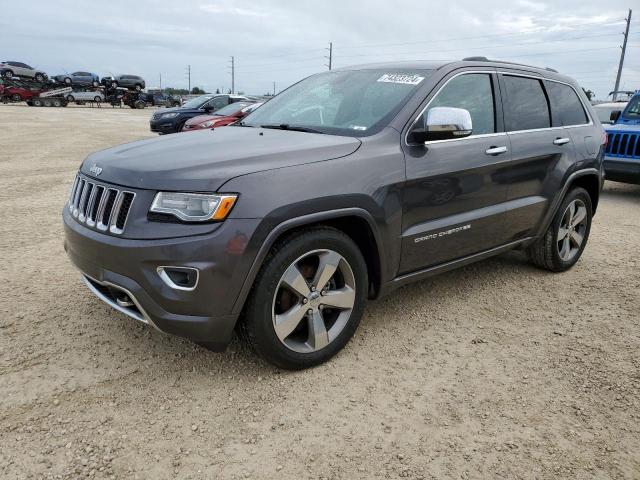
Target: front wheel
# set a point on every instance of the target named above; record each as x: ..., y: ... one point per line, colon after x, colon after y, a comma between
x: 39, y: 77
x: 565, y: 239
x: 7, y: 74
x: 67, y: 81
x: 307, y: 300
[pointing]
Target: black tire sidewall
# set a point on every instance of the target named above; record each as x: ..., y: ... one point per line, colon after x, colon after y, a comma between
x: 258, y: 316
x: 576, y: 193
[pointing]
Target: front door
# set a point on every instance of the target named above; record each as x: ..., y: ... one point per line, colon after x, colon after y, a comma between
x: 453, y: 199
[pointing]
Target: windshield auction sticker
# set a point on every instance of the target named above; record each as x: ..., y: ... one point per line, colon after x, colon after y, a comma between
x: 401, y: 78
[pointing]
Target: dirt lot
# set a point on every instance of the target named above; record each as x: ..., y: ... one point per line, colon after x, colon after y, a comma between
x: 497, y: 370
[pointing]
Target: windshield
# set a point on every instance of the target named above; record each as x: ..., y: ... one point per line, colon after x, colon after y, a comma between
x: 633, y: 109
x: 231, y: 109
x: 353, y: 103
x: 198, y: 101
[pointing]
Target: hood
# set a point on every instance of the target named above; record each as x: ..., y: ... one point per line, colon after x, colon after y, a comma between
x: 176, y: 109
x: 203, y: 118
x: 204, y: 160
x: 630, y: 126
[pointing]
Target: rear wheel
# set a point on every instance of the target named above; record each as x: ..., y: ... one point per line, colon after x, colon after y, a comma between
x: 67, y: 80
x: 7, y: 74
x: 307, y: 300
x: 565, y: 239
x: 70, y: 98
x: 39, y: 77
x: 138, y: 87
x: 97, y: 99
x: 57, y: 102
x: 15, y: 97
x: 37, y: 102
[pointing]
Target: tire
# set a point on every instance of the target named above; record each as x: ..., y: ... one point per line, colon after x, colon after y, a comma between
x: 138, y: 87
x: 7, y: 74
x: 97, y: 99
x: 95, y: 84
x: 139, y: 104
x: 70, y: 98
x: 46, y: 102
x: 558, y: 249
x: 67, y: 81
x: 320, y: 332
x: 57, y: 102
x: 36, y: 102
x: 39, y: 77
x: 16, y: 98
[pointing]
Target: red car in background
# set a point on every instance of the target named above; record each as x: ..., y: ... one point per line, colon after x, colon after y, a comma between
x: 17, y: 94
x: 225, y: 116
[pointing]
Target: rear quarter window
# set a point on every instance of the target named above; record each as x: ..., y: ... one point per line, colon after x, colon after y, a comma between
x: 526, y: 106
x: 566, y: 104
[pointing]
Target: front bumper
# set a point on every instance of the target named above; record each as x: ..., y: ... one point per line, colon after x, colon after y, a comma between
x: 124, y: 274
x: 163, y: 126
x: 622, y: 170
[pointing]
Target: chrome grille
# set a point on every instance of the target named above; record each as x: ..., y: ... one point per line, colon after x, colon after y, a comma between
x: 100, y: 206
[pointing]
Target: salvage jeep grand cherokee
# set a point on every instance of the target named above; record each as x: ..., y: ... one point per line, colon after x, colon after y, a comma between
x: 344, y: 187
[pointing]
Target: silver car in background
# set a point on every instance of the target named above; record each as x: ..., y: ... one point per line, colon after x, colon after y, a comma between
x: 19, y: 69
x: 96, y: 97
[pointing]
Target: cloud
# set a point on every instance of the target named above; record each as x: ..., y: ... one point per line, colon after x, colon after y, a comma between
x: 279, y: 41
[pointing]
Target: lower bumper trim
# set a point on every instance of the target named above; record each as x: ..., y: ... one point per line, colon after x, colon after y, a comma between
x: 107, y: 292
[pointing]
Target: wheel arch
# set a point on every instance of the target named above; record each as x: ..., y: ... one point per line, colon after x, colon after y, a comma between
x: 589, y: 178
x: 356, y: 223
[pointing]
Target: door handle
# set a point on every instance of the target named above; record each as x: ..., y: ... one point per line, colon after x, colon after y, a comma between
x: 561, y: 141
x: 496, y: 150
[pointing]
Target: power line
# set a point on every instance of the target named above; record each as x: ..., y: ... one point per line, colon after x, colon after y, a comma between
x: 485, y: 46
x: 533, y: 32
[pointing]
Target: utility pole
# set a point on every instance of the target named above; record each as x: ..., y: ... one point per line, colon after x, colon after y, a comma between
x: 160, y: 83
x: 274, y: 89
x: 330, y: 57
x: 624, y: 50
x: 189, y: 76
x: 233, y: 74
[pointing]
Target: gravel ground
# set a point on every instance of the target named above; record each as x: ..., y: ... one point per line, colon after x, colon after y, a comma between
x: 497, y: 370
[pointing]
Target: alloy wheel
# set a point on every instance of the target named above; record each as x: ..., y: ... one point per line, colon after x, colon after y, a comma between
x: 313, y: 301
x: 572, y: 230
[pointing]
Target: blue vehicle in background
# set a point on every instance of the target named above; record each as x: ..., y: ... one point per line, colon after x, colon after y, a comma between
x: 78, y: 79
x: 622, y: 154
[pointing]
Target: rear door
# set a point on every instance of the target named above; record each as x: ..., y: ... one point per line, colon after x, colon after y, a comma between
x: 452, y: 202
x: 569, y: 110
x: 541, y: 148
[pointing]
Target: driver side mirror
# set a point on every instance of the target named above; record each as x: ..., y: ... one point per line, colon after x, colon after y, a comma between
x: 615, y: 115
x: 442, y: 123
x: 208, y: 108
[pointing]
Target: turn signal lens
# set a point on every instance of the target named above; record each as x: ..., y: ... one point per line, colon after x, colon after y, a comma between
x: 225, y: 206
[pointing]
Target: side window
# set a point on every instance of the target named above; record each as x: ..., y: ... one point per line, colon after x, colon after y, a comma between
x: 566, y: 104
x: 219, y: 102
x: 473, y: 92
x: 526, y: 107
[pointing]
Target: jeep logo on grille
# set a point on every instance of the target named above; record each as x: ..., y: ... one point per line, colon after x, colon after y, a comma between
x: 95, y: 169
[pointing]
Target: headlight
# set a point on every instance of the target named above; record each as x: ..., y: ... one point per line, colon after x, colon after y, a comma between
x: 207, y: 124
x: 194, y: 207
x: 169, y: 115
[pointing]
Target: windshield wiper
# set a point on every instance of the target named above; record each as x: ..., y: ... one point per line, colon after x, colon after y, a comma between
x: 295, y: 128
x: 241, y: 124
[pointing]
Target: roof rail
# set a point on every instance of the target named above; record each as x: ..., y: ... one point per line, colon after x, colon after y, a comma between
x: 485, y: 59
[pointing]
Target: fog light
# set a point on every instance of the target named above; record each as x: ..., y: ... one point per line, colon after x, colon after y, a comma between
x: 180, y: 278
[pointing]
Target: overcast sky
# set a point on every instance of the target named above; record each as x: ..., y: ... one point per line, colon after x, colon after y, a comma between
x: 284, y: 41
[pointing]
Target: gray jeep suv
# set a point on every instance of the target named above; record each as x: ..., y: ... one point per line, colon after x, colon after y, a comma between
x: 344, y: 187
